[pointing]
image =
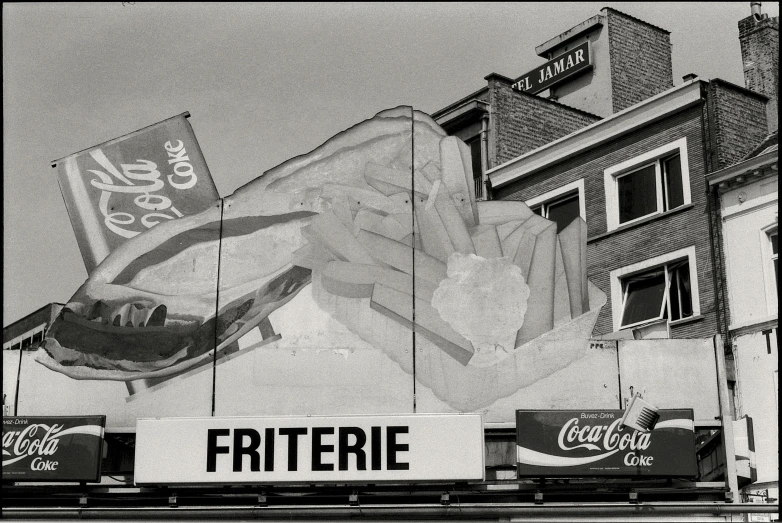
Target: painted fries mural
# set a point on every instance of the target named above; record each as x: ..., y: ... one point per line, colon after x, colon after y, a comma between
x: 361, y: 277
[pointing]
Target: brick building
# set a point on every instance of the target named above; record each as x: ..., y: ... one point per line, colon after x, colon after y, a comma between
x: 618, y: 145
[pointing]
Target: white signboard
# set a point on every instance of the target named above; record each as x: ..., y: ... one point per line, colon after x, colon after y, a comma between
x: 243, y: 450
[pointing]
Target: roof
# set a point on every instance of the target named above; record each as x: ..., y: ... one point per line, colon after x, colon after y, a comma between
x: 574, y: 32
x: 769, y: 144
x: 739, y: 88
x: 636, y: 19
x: 762, y: 160
x: 459, y: 102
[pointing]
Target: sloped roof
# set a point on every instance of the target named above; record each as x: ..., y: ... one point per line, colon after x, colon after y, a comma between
x: 769, y: 144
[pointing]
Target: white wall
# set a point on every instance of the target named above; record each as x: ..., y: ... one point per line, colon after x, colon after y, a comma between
x: 748, y: 212
x: 757, y: 373
x: 752, y: 294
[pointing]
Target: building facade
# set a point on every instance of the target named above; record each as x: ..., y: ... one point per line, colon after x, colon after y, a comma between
x: 748, y: 195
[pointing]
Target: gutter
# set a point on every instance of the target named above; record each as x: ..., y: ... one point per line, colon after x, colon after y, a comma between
x: 747, y: 166
x: 455, y: 511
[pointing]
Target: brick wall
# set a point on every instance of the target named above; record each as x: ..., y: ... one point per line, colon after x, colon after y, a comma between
x: 673, y: 231
x: 640, y: 59
x: 739, y: 121
x: 522, y: 122
x: 759, y: 41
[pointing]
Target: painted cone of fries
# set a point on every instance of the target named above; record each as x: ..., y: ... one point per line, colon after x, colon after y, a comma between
x: 382, y: 221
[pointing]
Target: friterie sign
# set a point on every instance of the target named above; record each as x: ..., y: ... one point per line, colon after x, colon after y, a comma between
x: 593, y: 443
x: 44, y: 448
x: 309, y: 449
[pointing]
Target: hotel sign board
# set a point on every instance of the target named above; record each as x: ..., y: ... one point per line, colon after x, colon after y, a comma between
x: 590, y: 443
x: 116, y: 190
x: 555, y: 70
x: 312, y: 449
x: 47, y: 448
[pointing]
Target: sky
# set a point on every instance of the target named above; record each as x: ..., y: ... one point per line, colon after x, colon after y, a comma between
x: 262, y: 83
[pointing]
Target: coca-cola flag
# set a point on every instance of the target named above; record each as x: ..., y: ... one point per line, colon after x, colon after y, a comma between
x: 44, y: 448
x: 118, y: 189
x: 578, y: 443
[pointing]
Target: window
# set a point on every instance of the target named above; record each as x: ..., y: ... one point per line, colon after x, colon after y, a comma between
x: 477, y: 165
x: 661, y: 293
x: 662, y: 288
x: 562, y: 211
x: 769, y: 250
x: 650, y: 184
x: 561, y: 205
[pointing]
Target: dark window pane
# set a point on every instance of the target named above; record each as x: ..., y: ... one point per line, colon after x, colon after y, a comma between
x: 475, y: 153
x: 673, y: 179
x: 644, y: 297
x: 674, y: 298
x: 477, y: 166
x: 685, y: 288
x: 680, y: 293
x: 538, y: 210
x: 564, y: 211
x: 774, y: 244
x: 637, y: 194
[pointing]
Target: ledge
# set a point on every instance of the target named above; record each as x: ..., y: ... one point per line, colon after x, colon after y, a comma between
x: 639, y: 223
x: 685, y: 321
x: 754, y: 326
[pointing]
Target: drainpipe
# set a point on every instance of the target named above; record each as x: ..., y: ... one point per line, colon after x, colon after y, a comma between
x: 485, y: 155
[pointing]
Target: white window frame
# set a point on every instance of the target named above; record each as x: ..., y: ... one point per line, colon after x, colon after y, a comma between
x: 612, y: 174
x: 551, y: 196
x: 617, y: 275
x: 769, y: 280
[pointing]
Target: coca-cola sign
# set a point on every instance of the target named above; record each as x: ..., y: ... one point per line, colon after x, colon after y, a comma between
x: 119, y: 189
x: 44, y: 448
x: 578, y: 443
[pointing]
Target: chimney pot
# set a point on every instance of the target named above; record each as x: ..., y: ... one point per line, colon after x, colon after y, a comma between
x: 755, y: 9
x: 690, y: 76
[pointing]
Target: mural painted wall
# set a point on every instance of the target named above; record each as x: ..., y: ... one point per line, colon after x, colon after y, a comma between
x: 362, y: 277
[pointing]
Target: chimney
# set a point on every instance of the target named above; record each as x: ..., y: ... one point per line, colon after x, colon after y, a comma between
x: 759, y: 39
x: 630, y: 61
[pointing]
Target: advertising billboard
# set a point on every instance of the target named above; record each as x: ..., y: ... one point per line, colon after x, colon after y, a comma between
x: 118, y: 189
x: 309, y: 449
x: 52, y: 448
x: 577, y: 443
x: 364, y: 274
x: 361, y: 278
